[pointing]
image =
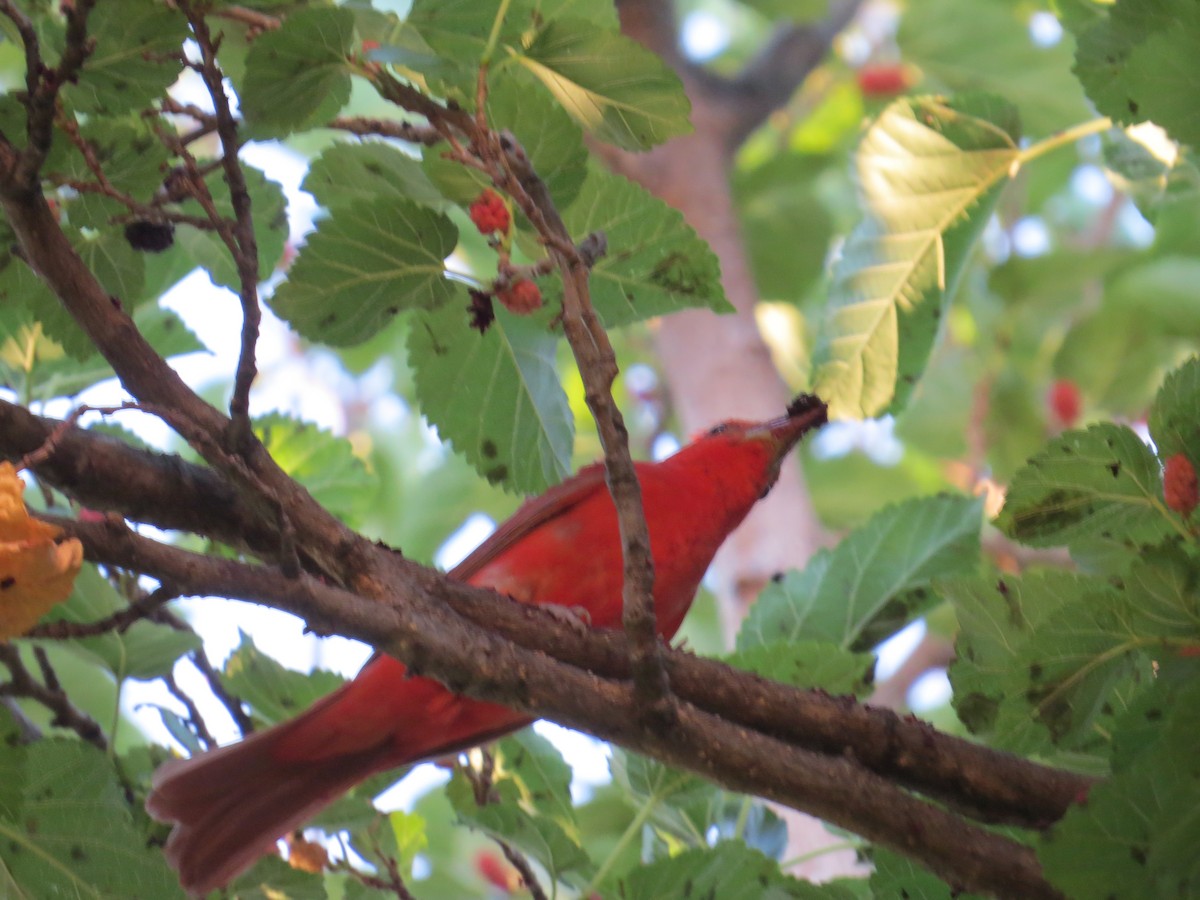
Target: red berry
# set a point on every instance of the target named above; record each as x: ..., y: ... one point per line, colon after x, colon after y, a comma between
x: 883, y: 80
x: 1180, y: 488
x: 1065, y: 402
x: 489, y: 213
x: 496, y: 872
x: 521, y: 297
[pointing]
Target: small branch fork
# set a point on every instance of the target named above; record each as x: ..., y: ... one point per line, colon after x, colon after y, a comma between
x: 502, y: 158
x: 48, y: 693
x: 481, y: 780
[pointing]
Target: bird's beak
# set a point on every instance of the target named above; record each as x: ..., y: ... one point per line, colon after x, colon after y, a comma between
x: 806, y: 413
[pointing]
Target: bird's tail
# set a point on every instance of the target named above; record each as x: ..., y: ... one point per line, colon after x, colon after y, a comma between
x: 233, y: 803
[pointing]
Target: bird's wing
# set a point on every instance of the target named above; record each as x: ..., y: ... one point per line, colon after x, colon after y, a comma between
x: 533, y: 512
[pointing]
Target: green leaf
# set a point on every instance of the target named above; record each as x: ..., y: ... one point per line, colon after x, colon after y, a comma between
x: 929, y: 173
x: 411, y: 838
x: 1137, y: 64
x: 273, y: 692
x: 133, y: 158
x: 268, y: 212
x: 495, y: 396
x: 1099, y: 483
x: 1156, y: 295
x: 996, y: 54
x: 1039, y: 657
x: 297, y: 76
x: 117, y: 266
x: 272, y: 878
x: 135, y: 60
x: 53, y: 374
x: 875, y: 579
x: 458, y: 30
x: 730, y: 870
x: 656, y: 264
x: 542, y: 777
x: 348, y: 173
x: 898, y: 876
x: 509, y: 819
x: 365, y: 263
x: 618, y: 91
x: 1134, y: 835
x: 685, y: 808
x: 19, y: 285
x: 324, y: 464
x: 1174, y: 418
x: 143, y: 651
x: 809, y: 664
x: 1167, y: 604
x: 72, y: 834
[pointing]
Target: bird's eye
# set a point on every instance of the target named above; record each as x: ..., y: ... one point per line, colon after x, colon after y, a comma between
x: 718, y: 429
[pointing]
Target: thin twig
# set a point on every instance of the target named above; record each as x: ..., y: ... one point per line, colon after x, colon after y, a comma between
x: 235, y: 706
x: 119, y: 621
x: 50, y: 695
x: 482, y: 784
x: 256, y: 20
x: 504, y: 160
x: 242, y: 243
x: 389, y: 128
x: 194, y: 717
x: 596, y: 360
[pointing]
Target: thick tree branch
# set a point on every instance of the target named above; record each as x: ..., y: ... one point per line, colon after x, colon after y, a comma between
x: 470, y: 660
x: 983, y: 783
x: 768, y: 80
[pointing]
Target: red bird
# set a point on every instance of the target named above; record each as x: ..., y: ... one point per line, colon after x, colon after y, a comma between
x: 230, y: 805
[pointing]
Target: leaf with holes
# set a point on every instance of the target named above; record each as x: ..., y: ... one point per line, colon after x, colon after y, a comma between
x: 655, y: 264
x: 1103, y: 483
x: 495, y: 396
x: 69, y: 832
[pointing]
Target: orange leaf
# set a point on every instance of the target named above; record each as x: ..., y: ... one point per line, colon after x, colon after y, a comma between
x: 37, y: 569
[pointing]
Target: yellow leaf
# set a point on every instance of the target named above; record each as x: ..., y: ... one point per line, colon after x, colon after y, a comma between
x: 37, y: 569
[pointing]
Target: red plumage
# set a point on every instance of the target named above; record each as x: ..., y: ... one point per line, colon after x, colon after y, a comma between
x: 231, y: 804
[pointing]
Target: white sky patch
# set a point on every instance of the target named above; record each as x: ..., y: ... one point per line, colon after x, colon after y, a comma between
x: 1091, y: 184
x: 874, y: 437
x: 892, y: 653
x: 587, y: 757
x: 930, y: 691
x: 703, y: 35
x: 664, y: 445
x: 1031, y: 237
x: 996, y: 242
x: 1134, y: 226
x: 473, y: 532
x: 1045, y: 29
